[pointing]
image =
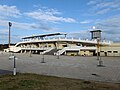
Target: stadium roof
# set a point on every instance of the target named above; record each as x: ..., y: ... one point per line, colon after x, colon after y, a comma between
x: 44, y: 35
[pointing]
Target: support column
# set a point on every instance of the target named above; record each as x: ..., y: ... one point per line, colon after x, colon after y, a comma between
x: 25, y: 51
x: 21, y: 51
x: 79, y: 52
x: 65, y: 53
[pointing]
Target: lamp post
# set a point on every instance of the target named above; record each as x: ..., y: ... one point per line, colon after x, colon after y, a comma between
x: 10, y: 24
x: 12, y: 55
x: 96, y: 34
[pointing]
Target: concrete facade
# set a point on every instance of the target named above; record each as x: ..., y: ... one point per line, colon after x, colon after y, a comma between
x: 111, y: 50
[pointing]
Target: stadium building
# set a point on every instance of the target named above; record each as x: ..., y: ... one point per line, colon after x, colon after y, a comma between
x: 60, y: 44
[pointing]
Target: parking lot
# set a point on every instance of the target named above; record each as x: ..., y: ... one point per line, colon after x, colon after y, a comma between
x: 78, y: 67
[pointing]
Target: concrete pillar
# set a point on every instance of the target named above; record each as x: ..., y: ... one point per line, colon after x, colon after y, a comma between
x: 21, y: 51
x: 30, y: 51
x: 65, y: 53
x: 79, y: 52
x: 25, y: 51
x: 36, y: 51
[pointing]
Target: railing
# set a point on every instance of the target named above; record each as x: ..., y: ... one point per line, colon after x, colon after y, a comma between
x: 71, y: 38
x: 66, y: 38
x: 88, y: 48
x: 60, y: 51
x: 35, y: 48
x: 76, y: 48
x: 14, y: 49
x: 68, y: 48
x: 47, y: 50
x: 104, y: 42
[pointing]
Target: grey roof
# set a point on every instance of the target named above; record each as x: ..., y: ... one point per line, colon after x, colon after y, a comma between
x: 44, y: 35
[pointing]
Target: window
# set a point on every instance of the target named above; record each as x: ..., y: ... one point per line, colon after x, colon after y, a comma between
x: 109, y: 51
x: 115, y: 51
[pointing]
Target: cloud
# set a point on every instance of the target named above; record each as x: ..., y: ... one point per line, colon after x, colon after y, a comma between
x: 20, y: 26
x: 86, y: 21
x: 102, y: 7
x: 3, y: 35
x: 4, y: 38
x: 83, y: 34
x: 27, y: 26
x: 92, y: 2
x: 49, y: 15
x: 103, y: 11
x: 9, y: 11
x: 110, y: 25
x: 111, y: 28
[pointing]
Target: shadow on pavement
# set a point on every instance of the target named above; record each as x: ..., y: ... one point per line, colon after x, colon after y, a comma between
x: 5, y: 72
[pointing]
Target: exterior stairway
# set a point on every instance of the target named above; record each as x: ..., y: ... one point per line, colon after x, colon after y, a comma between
x: 51, y: 52
x: 13, y: 49
x: 60, y: 52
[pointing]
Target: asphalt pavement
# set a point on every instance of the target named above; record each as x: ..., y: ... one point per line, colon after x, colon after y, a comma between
x: 78, y: 67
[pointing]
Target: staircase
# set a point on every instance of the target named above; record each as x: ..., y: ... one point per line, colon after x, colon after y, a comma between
x: 13, y: 49
x: 60, y: 52
x: 51, y: 52
x: 47, y: 50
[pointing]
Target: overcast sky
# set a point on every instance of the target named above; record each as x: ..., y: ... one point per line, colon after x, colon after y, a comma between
x: 75, y: 17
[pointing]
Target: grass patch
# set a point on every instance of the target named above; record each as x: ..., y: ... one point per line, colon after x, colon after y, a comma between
x: 40, y: 82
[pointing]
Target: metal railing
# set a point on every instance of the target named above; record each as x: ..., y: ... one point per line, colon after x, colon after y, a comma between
x: 67, y: 38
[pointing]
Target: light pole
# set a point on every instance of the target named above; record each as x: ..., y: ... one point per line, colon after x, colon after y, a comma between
x: 10, y: 24
x: 12, y: 55
x: 96, y: 34
x: 98, y: 48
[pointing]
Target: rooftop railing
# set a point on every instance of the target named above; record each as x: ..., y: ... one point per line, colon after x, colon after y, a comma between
x: 66, y: 38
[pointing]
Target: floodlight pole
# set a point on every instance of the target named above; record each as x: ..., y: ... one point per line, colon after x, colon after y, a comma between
x: 96, y: 34
x: 98, y: 45
x: 100, y: 62
x: 10, y: 24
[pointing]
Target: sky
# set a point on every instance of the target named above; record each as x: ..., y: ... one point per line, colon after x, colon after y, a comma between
x: 74, y: 17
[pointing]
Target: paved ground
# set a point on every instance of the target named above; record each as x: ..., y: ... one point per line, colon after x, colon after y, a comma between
x: 67, y: 66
